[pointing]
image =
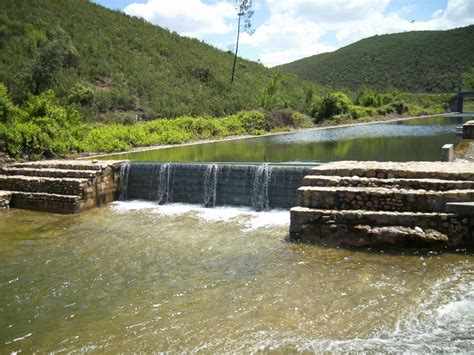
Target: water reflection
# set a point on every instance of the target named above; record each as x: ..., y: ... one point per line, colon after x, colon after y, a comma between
x: 419, y: 139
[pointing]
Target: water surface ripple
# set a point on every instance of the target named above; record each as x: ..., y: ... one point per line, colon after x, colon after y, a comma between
x: 138, y: 276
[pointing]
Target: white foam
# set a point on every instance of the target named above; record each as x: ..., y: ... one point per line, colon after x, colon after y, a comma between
x: 243, y: 216
x: 277, y: 218
x: 127, y: 206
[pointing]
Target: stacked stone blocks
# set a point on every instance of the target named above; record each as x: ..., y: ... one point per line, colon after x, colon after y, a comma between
x: 367, y: 204
x: 60, y: 186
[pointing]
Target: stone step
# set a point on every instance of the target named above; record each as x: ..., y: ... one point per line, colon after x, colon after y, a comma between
x: 389, y: 170
x: 460, y: 207
x: 5, y: 197
x: 356, y: 181
x: 369, y: 228
x: 65, y: 164
x: 53, y: 173
x: 379, y: 198
x: 61, y: 186
x: 55, y: 203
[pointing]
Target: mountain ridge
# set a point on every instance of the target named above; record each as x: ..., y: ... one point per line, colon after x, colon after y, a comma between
x: 419, y: 61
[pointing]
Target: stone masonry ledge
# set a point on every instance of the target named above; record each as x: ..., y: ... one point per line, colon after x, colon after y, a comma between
x: 375, y: 198
x: 5, y: 197
x: 306, y: 215
x: 383, y: 170
x: 66, y: 186
x: 322, y: 225
x: 356, y: 181
x: 44, y: 196
x: 460, y: 207
x: 69, y: 164
x: 43, y: 178
x: 50, y: 172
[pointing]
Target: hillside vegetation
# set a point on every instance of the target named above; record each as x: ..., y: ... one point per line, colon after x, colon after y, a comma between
x: 109, y: 64
x: 421, y: 61
x: 78, y: 78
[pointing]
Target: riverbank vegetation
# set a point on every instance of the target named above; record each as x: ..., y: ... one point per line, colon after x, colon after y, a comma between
x: 43, y: 127
x: 115, y: 68
x: 76, y: 77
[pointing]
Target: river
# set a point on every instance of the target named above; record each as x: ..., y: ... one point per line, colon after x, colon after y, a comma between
x: 416, y: 139
x: 138, y: 276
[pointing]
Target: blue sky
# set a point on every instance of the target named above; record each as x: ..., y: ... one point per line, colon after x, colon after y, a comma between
x: 287, y: 30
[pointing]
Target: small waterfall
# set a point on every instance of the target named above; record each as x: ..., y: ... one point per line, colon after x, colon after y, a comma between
x: 164, y: 192
x: 123, y: 184
x: 210, y: 185
x: 261, y: 181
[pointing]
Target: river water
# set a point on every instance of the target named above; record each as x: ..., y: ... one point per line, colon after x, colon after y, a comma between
x: 137, y: 276
x: 417, y: 139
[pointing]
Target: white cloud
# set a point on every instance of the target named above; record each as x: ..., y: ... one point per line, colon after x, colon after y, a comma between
x: 191, y: 18
x: 296, y: 28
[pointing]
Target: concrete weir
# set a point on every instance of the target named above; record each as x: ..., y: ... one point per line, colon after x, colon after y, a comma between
x: 260, y: 186
x: 377, y: 204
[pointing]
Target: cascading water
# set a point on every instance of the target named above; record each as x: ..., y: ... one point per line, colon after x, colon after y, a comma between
x: 262, y: 187
x: 164, y: 191
x: 261, y: 180
x: 123, y: 184
x: 210, y: 185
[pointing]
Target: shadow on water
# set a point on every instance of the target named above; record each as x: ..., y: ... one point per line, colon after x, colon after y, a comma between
x: 389, y: 251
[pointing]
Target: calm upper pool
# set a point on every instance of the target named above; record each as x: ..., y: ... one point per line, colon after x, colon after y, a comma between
x: 419, y: 139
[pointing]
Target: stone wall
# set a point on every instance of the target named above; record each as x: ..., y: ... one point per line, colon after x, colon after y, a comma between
x: 386, y: 204
x: 5, y: 199
x: 380, y: 199
x: 359, y: 228
x: 61, y: 186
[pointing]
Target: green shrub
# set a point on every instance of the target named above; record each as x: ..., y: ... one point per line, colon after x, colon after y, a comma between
x: 82, y: 94
x: 331, y: 105
x: 361, y: 112
x: 41, y: 127
x: 400, y: 107
x: 6, y: 104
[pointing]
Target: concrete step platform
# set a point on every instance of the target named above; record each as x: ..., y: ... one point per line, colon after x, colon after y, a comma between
x: 362, y: 228
x: 400, y: 183
x: 379, y: 198
x: 390, y: 170
x: 62, y: 186
x: 53, y: 173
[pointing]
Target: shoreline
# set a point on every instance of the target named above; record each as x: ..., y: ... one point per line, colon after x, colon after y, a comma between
x: 269, y: 134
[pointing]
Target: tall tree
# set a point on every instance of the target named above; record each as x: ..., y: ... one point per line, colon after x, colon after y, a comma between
x: 245, y: 12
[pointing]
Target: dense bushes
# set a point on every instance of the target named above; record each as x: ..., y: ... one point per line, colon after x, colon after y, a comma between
x: 116, y: 137
x: 42, y: 127
x: 369, y: 103
x: 115, y: 68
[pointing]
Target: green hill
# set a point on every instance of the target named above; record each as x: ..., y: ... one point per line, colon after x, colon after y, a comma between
x: 111, y: 64
x: 426, y: 61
